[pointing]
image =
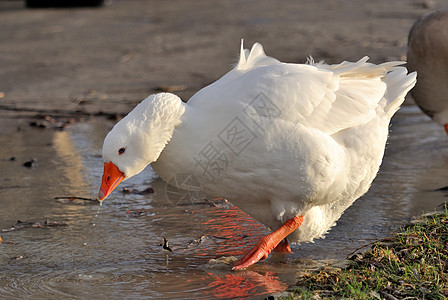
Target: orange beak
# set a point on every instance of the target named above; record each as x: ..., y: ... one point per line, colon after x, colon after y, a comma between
x: 111, y: 179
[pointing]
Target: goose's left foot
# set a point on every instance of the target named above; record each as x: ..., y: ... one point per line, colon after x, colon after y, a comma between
x: 268, y: 243
x: 283, y: 246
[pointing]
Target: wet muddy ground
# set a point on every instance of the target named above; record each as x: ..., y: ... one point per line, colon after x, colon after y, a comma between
x: 66, y: 73
x: 116, y: 249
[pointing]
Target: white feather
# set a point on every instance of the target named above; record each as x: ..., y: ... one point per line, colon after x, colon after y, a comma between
x: 280, y: 140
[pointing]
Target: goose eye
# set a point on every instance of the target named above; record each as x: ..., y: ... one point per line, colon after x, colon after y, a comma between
x: 121, y: 151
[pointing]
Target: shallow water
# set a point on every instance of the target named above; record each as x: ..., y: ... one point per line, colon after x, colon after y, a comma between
x: 113, y: 250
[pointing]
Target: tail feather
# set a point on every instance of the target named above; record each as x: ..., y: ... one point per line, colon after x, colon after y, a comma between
x: 399, y: 83
x: 244, y: 54
x: 254, y: 58
x: 362, y: 68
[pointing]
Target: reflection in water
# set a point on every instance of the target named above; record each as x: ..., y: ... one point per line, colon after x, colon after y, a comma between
x: 243, y: 284
x: 107, y: 251
x: 114, y: 252
x: 71, y: 172
x: 70, y: 162
x: 234, y: 231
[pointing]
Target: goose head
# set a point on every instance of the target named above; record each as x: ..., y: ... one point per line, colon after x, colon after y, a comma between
x: 139, y: 139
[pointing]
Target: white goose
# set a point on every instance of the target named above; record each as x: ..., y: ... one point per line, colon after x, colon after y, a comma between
x: 428, y: 55
x: 292, y: 145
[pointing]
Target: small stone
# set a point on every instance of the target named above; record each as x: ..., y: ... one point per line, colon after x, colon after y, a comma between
x: 31, y: 163
x: 221, y: 262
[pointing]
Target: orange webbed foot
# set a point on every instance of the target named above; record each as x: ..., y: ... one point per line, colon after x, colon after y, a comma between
x: 275, y: 240
x: 259, y: 252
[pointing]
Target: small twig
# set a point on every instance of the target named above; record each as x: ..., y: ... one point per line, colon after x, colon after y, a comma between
x: 127, y: 190
x: 443, y: 205
x: 368, y: 244
x: 45, y: 224
x: 198, y: 241
x: 220, y: 237
x: 74, y: 198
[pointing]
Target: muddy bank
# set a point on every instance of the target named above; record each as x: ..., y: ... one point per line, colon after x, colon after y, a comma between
x: 76, y: 63
x: 107, y: 59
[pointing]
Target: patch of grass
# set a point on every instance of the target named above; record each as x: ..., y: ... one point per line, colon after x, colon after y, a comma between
x: 413, y: 264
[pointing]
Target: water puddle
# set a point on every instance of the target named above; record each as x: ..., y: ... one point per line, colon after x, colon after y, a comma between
x: 114, y: 250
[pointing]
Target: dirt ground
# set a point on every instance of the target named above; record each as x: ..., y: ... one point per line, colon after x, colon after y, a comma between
x: 59, y: 64
x: 107, y: 59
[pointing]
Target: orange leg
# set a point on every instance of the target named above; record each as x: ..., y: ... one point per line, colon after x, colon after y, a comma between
x: 267, y: 243
x: 283, y: 246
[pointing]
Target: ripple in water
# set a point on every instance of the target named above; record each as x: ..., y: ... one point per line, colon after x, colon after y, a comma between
x: 113, y: 250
